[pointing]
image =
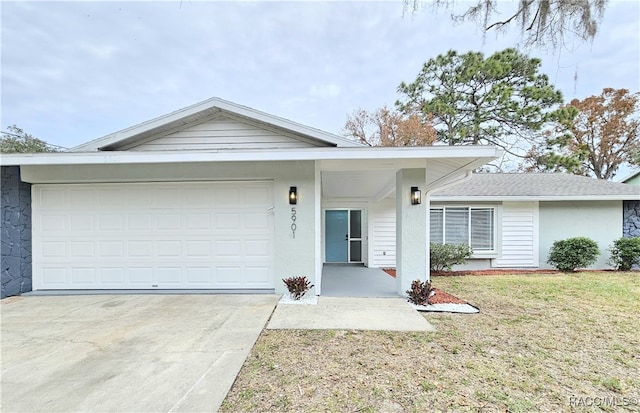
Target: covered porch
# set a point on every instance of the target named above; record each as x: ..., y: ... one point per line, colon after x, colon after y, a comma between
x: 367, y: 219
x: 356, y: 280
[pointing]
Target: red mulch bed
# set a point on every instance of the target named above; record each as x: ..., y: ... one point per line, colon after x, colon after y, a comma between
x: 440, y: 297
x: 392, y: 272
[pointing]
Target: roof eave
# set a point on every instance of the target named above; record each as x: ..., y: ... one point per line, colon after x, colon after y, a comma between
x: 487, y: 153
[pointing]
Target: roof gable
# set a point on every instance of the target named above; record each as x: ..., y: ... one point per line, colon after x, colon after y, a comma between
x: 209, y: 120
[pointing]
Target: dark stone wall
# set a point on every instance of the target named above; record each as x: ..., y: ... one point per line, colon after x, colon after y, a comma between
x: 15, y: 249
x: 631, y: 219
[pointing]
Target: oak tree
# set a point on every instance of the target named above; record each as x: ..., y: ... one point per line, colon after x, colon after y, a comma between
x: 386, y: 127
x: 16, y: 140
x: 499, y: 100
x: 540, y: 22
x: 594, y: 138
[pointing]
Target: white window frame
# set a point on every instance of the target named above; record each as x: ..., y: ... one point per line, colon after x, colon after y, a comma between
x: 492, y: 253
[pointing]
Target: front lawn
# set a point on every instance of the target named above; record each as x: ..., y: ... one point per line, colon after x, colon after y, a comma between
x: 542, y: 342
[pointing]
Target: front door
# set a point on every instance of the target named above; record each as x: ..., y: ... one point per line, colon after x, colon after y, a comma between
x: 343, y: 235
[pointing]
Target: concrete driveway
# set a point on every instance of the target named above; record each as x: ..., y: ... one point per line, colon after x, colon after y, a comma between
x: 142, y: 353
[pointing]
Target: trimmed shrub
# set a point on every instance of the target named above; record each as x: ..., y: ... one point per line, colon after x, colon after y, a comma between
x: 444, y: 256
x: 420, y: 292
x: 569, y: 254
x: 625, y: 253
x: 297, y: 286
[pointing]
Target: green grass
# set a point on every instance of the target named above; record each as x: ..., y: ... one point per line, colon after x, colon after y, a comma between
x: 538, y: 340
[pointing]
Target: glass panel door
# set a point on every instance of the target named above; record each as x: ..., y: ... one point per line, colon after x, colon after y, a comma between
x: 355, y: 236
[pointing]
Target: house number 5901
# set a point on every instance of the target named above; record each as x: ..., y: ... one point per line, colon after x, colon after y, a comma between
x: 293, y: 221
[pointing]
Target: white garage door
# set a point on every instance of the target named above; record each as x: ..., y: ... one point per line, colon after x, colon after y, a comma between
x: 195, y: 235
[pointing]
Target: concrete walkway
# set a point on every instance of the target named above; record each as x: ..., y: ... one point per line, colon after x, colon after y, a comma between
x: 337, y: 313
x: 126, y: 353
x: 346, y: 280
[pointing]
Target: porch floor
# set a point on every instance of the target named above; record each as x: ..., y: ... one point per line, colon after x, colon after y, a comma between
x: 349, y: 280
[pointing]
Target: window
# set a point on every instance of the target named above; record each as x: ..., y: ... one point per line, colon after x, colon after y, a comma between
x: 464, y: 225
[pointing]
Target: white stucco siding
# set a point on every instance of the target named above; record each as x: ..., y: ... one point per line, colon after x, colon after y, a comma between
x: 383, y: 234
x: 519, y: 240
x: 599, y: 220
x: 224, y: 133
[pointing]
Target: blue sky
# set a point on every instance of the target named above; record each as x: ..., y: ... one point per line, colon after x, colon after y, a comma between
x: 75, y: 71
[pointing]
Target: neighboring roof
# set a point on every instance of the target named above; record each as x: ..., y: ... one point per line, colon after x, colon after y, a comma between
x: 201, y: 112
x: 536, y: 186
x: 630, y: 177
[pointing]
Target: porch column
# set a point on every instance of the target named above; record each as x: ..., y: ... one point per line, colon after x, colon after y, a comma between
x: 411, y: 230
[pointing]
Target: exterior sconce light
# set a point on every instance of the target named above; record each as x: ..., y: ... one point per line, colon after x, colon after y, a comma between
x: 293, y: 195
x: 416, y: 196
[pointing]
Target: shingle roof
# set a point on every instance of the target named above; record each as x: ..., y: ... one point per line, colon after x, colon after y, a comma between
x: 537, y: 185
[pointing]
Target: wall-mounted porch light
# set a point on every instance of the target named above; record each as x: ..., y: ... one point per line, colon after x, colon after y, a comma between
x: 416, y: 196
x: 293, y: 195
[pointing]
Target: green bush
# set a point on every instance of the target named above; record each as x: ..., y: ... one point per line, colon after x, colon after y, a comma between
x: 444, y: 256
x: 569, y: 254
x: 625, y: 252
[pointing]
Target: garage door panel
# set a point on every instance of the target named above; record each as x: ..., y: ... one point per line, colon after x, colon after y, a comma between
x: 54, y: 249
x: 228, y: 249
x: 54, y: 199
x: 54, y: 276
x: 108, y: 198
x: 139, y: 222
x: 227, y: 222
x: 168, y: 222
x: 112, y: 276
x: 82, y: 198
x: 226, y: 196
x: 140, y: 275
x: 111, y: 249
x: 146, y: 236
x: 53, y: 223
x: 199, y: 222
x: 139, y: 248
x: 83, y: 276
x: 198, y: 197
x: 81, y: 249
x: 257, y: 275
x: 229, y: 276
x: 198, y: 248
x: 200, y: 276
x: 257, y: 249
x: 110, y: 223
x: 169, y: 276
